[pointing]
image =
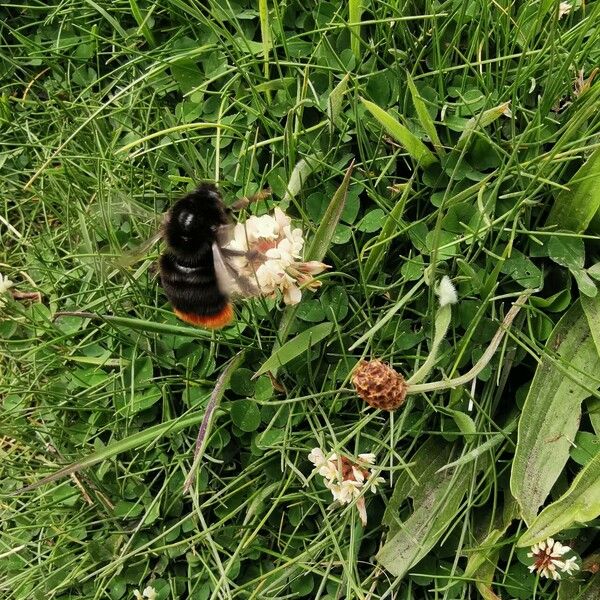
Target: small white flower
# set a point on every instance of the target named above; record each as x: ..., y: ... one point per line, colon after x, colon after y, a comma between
x: 570, y: 565
x: 317, y: 457
x: 375, y: 481
x: 291, y: 293
x: 346, y: 479
x: 369, y: 458
x: 358, y: 475
x: 547, y: 563
x: 312, y: 267
x: 261, y: 228
x: 326, y: 467
x: 269, y: 276
x: 564, y: 8
x: 5, y: 285
x: 362, y: 510
x: 347, y: 491
x: 281, y: 218
x: 446, y: 292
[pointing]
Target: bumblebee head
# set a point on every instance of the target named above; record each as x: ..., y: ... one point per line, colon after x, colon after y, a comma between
x: 194, y: 219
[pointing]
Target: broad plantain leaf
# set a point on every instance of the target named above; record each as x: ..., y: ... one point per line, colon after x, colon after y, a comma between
x: 579, y: 504
x: 567, y: 374
x: 437, y: 498
x: 574, y: 209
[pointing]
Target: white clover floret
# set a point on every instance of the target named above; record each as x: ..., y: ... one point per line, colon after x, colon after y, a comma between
x: 547, y: 562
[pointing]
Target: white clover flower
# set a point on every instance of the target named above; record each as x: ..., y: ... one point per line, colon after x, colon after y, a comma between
x: 346, y: 479
x: 276, y: 264
x: 281, y: 218
x: 446, y: 292
x: 261, y: 228
x: 570, y: 565
x: 362, y: 510
x: 312, y: 267
x: 548, y: 563
x: 5, y: 285
x: 291, y: 292
x: 149, y: 593
x: 564, y: 8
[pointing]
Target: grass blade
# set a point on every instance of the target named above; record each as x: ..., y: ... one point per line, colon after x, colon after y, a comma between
x: 319, y: 246
x: 137, y: 440
x: 322, y: 238
x: 141, y: 325
x: 295, y: 347
x: 575, y: 209
x: 388, y: 316
x: 437, y: 500
x: 355, y: 9
x: 265, y: 34
x: 142, y: 23
x: 392, y: 223
x: 334, y: 102
x: 302, y: 170
x: 424, y: 117
x: 487, y: 117
x: 591, y: 308
x: 413, y: 145
x: 213, y: 403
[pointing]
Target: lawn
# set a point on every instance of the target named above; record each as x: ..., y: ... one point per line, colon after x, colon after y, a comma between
x: 423, y: 419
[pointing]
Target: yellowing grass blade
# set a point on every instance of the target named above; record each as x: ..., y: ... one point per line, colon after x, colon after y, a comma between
x: 412, y: 144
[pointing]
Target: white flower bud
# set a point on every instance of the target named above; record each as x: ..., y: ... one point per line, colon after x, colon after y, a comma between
x: 446, y: 292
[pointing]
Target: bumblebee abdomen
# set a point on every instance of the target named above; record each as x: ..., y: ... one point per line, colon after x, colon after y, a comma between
x: 194, y: 293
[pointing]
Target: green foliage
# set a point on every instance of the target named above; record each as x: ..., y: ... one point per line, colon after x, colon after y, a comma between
x: 408, y: 141
x: 551, y: 414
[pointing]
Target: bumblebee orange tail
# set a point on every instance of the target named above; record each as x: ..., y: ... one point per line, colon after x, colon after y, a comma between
x: 209, y: 322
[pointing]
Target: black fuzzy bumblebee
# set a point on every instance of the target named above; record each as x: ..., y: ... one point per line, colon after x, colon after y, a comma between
x: 195, y: 269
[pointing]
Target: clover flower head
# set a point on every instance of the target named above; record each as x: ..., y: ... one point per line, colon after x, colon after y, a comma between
x: 149, y: 593
x: 548, y: 561
x: 276, y: 250
x: 346, y: 478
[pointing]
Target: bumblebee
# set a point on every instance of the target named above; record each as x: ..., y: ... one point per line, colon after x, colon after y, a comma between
x: 195, y: 270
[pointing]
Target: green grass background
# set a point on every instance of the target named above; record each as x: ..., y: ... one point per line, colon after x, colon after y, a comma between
x: 109, y: 111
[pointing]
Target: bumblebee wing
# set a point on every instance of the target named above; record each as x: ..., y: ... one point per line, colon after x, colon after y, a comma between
x: 225, y: 281
x: 138, y: 253
x: 224, y: 234
x: 229, y: 280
